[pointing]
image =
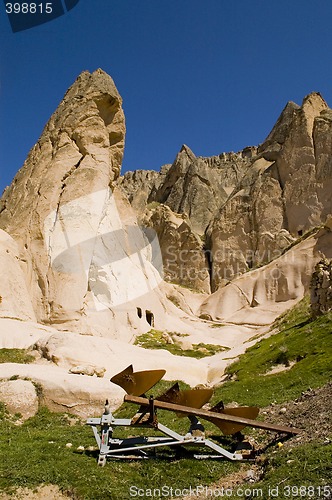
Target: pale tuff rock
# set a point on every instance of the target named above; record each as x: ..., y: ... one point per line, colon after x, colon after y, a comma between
x: 89, y: 370
x: 198, y: 186
x: 140, y: 185
x: 15, y: 299
x: 249, y: 228
x: 277, y: 201
x: 78, y: 155
x: 84, y: 276
x: 191, y: 190
x: 322, y: 137
x: 259, y: 296
x: 184, y: 260
x: 63, y: 391
x: 19, y: 397
x: 272, y: 145
x: 70, y: 351
x: 296, y: 168
x: 18, y: 334
x: 87, y: 264
x: 252, y: 205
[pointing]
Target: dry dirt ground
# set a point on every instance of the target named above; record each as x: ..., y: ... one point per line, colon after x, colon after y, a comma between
x: 311, y: 412
x: 43, y: 492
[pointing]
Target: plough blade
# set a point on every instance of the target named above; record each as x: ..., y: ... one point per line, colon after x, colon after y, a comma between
x: 227, y: 428
x: 193, y: 398
x: 137, y: 383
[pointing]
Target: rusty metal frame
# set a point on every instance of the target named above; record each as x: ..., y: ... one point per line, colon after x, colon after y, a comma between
x: 213, y: 416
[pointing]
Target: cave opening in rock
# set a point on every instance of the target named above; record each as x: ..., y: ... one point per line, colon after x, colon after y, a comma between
x: 139, y: 312
x: 149, y: 317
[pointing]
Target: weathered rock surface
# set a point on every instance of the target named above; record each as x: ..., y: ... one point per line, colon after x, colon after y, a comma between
x: 259, y: 296
x: 87, y: 264
x: 249, y: 229
x: 83, y: 268
x: 139, y: 186
x: 250, y: 206
x: 63, y: 391
x: 283, y: 195
x: 89, y: 370
x: 182, y: 249
x: 19, y: 397
x: 321, y: 288
x: 192, y: 189
x: 66, y: 175
x: 15, y: 299
x: 198, y: 186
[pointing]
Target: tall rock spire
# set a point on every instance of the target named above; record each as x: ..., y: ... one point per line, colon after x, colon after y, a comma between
x: 78, y: 155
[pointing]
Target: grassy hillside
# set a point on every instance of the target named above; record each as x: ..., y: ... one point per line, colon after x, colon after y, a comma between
x: 36, y: 451
x: 306, y: 343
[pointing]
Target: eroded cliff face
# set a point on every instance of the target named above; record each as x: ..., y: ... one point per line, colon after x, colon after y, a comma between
x: 87, y: 264
x: 191, y: 191
x: 247, y: 208
x: 77, y: 156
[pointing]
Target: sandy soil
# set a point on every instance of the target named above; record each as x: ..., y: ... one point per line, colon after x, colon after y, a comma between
x: 43, y: 492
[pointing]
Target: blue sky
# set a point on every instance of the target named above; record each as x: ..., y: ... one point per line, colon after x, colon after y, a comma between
x: 213, y: 74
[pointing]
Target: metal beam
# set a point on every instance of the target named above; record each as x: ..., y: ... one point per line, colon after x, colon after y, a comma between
x: 213, y: 416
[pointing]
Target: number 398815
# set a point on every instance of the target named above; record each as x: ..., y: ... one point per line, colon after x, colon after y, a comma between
x: 29, y: 8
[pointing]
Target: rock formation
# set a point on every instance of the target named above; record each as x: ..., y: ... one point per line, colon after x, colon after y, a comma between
x: 20, y: 398
x: 84, y: 253
x: 79, y: 242
x: 321, y: 288
x: 279, y: 200
x: 66, y: 177
x: 15, y: 299
x: 248, y: 207
x: 182, y: 249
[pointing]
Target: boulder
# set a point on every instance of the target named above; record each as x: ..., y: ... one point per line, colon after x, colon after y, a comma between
x: 19, y: 397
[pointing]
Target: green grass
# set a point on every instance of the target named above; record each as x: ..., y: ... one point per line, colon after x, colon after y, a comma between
x: 36, y: 453
x: 303, y: 340
x: 307, y: 466
x: 154, y: 340
x: 15, y: 356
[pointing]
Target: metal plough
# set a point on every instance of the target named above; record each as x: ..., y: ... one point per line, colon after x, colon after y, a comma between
x: 187, y: 403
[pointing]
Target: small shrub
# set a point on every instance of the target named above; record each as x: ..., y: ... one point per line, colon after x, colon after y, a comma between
x: 15, y: 356
x: 154, y: 340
